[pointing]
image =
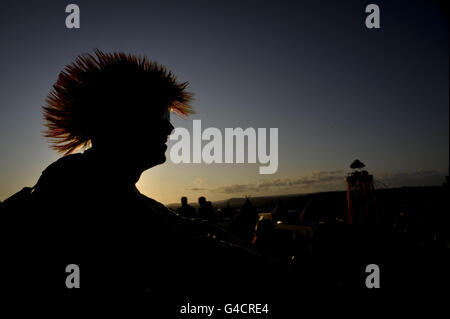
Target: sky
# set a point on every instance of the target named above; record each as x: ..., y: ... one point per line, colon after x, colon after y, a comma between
x: 335, y: 90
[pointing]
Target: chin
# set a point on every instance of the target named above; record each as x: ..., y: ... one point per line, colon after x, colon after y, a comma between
x: 162, y: 159
x: 155, y: 161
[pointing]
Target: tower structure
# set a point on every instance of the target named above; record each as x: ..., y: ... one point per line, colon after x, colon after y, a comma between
x: 361, y: 201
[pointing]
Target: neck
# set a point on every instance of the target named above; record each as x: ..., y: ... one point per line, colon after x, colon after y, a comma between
x: 114, y: 167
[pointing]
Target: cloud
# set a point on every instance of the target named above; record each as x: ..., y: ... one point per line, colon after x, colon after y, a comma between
x: 199, y: 185
x: 236, y: 188
x: 415, y: 178
x: 313, y: 180
x: 199, y: 182
x: 197, y: 189
x: 329, y: 180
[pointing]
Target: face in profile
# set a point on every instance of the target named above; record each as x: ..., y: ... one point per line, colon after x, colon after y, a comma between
x: 144, y: 144
x: 153, y: 139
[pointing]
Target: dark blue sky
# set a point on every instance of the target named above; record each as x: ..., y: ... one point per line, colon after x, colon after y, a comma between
x: 335, y: 89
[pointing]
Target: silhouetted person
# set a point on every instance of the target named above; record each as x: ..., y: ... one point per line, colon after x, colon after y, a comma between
x: 86, y: 207
x: 86, y: 210
x: 185, y: 209
x: 211, y: 212
x: 205, y: 210
x: 244, y: 223
x: 201, y: 201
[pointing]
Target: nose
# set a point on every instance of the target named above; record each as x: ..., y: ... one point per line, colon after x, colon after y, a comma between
x: 169, y: 127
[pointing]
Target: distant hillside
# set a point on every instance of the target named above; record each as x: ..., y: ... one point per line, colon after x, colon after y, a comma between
x: 419, y: 201
x: 262, y: 201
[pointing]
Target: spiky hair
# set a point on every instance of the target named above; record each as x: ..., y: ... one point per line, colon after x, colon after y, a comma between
x: 105, y: 87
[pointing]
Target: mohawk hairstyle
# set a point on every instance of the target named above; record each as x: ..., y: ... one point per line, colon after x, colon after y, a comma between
x: 95, y: 89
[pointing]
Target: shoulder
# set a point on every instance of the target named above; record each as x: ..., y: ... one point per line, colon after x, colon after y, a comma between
x: 204, y: 237
x: 153, y: 203
x: 64, y: 163
x: 177, y: 223
x: 60, y: 171
x: 158, y: 209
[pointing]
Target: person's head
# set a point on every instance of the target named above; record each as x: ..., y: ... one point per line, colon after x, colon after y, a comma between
x: 119, y: 103
x: 201, y: 200
x: 184, y: 200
